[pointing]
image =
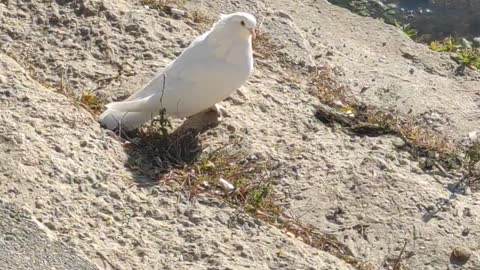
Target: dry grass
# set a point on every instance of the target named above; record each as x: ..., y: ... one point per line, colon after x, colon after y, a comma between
x: 92, y: 102
x: 200, y: 16
x: 163, y: 5
x: 324, y: 85
x: 263, y: 45
x: 368, y: 120
x: 230, y: 174
x: 246, y: 182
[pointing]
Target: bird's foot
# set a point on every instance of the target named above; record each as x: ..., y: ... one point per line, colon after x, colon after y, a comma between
x: 220, y: 111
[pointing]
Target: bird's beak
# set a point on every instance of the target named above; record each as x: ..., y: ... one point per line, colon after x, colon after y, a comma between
x: 254, y: 36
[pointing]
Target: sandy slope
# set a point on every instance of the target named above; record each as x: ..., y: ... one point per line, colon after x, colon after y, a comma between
x: 58, y: 164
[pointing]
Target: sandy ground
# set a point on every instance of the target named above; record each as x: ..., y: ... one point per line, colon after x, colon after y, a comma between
x: 71, y: 176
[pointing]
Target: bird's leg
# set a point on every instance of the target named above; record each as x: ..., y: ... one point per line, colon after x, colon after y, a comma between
x: 220, y: 110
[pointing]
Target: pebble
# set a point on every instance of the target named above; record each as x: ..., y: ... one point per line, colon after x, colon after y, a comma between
x: 476, y: 41
x: 177, y: 12
x: 460, y: 255
x: 398, y: 142
x: 473, y: 136
x: 226, y: 185
x: 59, y: 149
x: 50, y: 225
x: 39, y: 204
x: 115, y: 195
x: 283, y: 14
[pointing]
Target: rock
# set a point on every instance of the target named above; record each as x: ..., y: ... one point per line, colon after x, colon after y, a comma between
x: 39, y: 204
x: 476, y: 41
x: 50, y: 225
x: 115, y: 195
x: 226, y: 185
x: 460, y: 255
x: 466, y: 232
x: 473, y: 136
x: 177, y: 12
x: 283, y: 14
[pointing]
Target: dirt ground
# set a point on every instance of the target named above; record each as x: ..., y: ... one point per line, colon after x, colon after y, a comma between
x: 77, y: 179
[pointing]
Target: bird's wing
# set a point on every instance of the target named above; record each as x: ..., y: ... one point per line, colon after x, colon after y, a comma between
x: 190, y: 55
x: 146, y: 104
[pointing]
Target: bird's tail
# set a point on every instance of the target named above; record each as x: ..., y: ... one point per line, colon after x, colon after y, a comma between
x: 126, y: 121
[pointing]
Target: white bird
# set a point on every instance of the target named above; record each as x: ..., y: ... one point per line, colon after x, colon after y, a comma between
x: 214, y: 66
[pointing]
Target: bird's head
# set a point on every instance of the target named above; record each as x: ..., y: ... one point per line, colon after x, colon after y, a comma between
x: 239, y: 22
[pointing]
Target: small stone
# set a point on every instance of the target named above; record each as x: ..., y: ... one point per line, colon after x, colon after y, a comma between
x: 39, y: 204
x: 467, y: 212
x: 283, y: 14
x: 466, y: 232
x: 238, y: 246
x: 58, y: 148
x: 177, y: 12
x: 50, y: 225
x: 223, y: 218
x: 19, y: 138
x: 226, y: 185
x: 115, y: 195
x: 473, y: 136
x: 476, y: 41
x: 460, y: 255
x: 6, y: 93
x: 231, y: 128
x: 398, y: 142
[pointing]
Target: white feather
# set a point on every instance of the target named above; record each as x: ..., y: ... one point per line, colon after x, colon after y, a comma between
x: 215, y: 65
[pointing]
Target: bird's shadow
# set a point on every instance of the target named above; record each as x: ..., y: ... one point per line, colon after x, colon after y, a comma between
x: 152, y: 154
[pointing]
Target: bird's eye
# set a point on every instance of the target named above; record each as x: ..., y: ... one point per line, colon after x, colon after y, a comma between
x: 242, y: 23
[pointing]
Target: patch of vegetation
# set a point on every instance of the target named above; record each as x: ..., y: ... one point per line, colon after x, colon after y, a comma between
x: 263, y: 45
x: 92, y: 102
x: 469, y: 57
x: 163, y: 5
x: 245, y: 181
x: 359, y: 119
x: 406, y: 29
x: 227, y: 173
x: 197, y: 18
x: 465, y: 54
x: 449, y: 44
x: 437, y: 151
x: 201, y: 17
x: 473, y: 161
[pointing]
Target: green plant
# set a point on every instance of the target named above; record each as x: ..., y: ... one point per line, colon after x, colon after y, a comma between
x: 406, y: 29
x: 469, y: 57
x: 90, y: 101
x: 449, y: 44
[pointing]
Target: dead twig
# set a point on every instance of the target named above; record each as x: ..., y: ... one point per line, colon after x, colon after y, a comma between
x: 397, y: 261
